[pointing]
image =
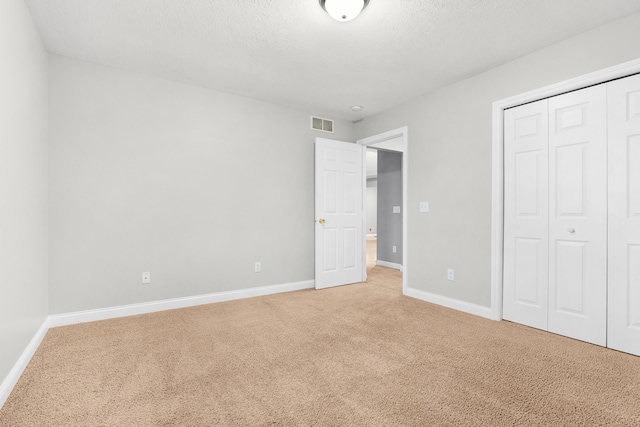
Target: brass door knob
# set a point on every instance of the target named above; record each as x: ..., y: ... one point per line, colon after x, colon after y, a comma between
x: 321, y: 220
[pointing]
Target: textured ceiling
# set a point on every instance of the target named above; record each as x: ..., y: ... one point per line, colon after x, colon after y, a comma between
x: 291, y: 52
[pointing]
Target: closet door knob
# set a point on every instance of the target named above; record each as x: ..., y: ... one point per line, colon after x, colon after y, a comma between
x: 571, y: 230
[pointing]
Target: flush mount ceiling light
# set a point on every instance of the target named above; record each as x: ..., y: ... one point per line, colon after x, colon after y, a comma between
x: 344, y: 10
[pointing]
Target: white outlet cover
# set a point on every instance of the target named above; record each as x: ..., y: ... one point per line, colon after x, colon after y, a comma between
x: 424, y: 206
x: 396, y: 209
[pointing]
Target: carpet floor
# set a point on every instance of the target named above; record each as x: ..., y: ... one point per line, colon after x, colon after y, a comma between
x: 361, y: 355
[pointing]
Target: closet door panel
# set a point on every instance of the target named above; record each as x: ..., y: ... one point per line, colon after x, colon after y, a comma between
x: 624, y: 214
x: 578, y: 215
x: 526, y: 215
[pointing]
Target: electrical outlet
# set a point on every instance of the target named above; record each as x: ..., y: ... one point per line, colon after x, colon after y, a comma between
x: 370, y: 229
x: 146, y: 277
x: 450, y: 274
x: 394, y: 249
x: 257, y: 267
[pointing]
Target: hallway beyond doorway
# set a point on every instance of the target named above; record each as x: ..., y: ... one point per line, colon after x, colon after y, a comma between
x: 372, y: 252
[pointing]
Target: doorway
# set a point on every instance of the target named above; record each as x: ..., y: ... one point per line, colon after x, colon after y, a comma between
x: 385, y: 202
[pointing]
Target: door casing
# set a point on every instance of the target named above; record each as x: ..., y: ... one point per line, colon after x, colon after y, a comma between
x: 403, y: 133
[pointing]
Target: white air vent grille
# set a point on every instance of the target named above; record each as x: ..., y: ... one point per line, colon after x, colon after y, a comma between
x: 323, y: 125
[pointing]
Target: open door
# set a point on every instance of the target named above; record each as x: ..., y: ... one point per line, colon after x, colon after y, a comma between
x: 339, y: 225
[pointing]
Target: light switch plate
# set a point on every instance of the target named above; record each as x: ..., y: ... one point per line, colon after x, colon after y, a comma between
x: 424, y: 206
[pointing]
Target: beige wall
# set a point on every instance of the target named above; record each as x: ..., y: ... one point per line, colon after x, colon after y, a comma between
x: 450, y: 156
x: 23, y: 185
x: 190, y: 184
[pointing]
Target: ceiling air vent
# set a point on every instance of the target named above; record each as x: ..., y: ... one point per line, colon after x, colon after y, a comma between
x: 323, y: 125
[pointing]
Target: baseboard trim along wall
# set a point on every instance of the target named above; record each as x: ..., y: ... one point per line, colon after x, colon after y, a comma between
x: 171, y: 304
x: 14, y: 374
x: 467, y: 307
x: 389, y: 265
x: 56, y: 320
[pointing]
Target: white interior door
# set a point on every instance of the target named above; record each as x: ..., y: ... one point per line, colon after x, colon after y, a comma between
x: 338, y: 206
x: 526, y: 214
x: 624, y: 214
x: 578, y: 214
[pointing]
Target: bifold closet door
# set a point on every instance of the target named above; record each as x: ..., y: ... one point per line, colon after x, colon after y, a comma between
x: 624, y: 214
x: 526, y: 218
x: 555, y: 215
x: 578, y: 215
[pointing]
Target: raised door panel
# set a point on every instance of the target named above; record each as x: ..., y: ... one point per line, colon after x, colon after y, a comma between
x: 624, y: 214
x: 330, y: 204
x: 330, y: 249
x: 526, y: 215
x: 571, y: 284
x: 529, y: 263
x: 578, y: 215
x: 528, y: 165
x: 571, y: 180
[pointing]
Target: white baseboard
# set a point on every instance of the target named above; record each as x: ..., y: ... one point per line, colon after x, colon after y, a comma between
x: 372, y: 235
x: 170, y: 304
x: 130, y: 310
x: 389, y: 265
x: 467, y: 307
x: 14, y: 374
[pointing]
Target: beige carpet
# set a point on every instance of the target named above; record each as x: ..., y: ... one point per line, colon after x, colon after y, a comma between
x: 355, y: 355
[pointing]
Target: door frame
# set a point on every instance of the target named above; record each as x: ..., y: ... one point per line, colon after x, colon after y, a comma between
x: 403, y: 133
x: 497, y: 212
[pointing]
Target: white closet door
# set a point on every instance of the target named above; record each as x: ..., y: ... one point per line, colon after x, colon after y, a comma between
x: 578, y: 214
x: 526, y: 218
x: 624, y: 214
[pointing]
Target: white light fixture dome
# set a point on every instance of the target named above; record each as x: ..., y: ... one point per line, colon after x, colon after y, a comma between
x: 343, y: 10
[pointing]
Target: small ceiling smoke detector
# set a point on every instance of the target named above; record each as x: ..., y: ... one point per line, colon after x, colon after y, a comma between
x: 356, y: 108
x: 344, y: 10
